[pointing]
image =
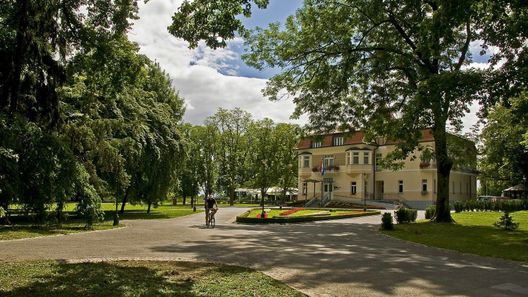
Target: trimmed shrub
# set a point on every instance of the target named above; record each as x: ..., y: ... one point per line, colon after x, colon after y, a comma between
x: 430, y: 211
x: 386, y: 221
x: 459, y: 206
x: 500, y: 205
x: 406, y: 215
x: 506, y: 222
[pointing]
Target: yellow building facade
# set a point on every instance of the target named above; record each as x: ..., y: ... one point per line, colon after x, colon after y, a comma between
x: 341, y: 166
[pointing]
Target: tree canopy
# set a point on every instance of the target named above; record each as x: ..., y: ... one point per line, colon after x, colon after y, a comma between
x: 352, y: 63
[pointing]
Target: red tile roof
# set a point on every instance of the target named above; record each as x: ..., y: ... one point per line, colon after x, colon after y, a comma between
x: 354, y: 138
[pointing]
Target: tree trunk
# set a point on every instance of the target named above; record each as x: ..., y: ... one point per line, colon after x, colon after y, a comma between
x: 18, y: 58
x: 60, y: 217
x: 262, y: 192
x: 231, y: 196
x: 124, y: 201
x: 443, y: 168
x: 184, y: 199
x: 148, y: 208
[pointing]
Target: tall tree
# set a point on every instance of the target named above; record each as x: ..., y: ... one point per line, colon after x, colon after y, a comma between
x: 505, y: 145
x: 263, y: 145
x: 188, y: 173
x: 232, y: 148
x: 287, y: 138
x: 348, y: 62
x: 207, y: 139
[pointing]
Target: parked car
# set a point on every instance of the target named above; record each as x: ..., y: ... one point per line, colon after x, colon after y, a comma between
x: 491, y: 198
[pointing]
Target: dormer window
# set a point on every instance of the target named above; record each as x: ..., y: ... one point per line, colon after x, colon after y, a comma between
x: 316, y: 144
x: 339, y: 140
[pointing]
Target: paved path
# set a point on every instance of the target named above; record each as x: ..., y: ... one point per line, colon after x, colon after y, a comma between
x: 332, y: 258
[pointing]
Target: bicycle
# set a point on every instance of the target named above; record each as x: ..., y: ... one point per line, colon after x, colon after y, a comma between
x: 211, y: 222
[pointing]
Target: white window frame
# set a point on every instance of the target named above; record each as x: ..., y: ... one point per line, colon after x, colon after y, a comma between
x: 353, y: 188
x: 425, y: 186
x: 379, y: 156
x: 355, y: 158
x: 366, y: 156
x: 305, y: 159
x: 317, y: 144
x: 339, y: 140
x: 328, y: 160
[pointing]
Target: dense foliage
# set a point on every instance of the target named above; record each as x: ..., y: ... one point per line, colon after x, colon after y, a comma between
x: 83, y: 116
x: 234, y: 150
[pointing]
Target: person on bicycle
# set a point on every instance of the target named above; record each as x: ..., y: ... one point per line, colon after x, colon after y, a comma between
x: 211, y: 207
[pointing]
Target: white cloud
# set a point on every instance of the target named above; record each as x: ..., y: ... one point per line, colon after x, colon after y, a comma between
x: 196, y: 74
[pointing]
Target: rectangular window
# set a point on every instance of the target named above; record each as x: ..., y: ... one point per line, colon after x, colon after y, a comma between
x: 365, y: 158
x: 316, y: 144
x: 353, y: 188
x: 424, y: 185
x: 328, y: 162
x: 306, y: 161
x: 400, y: 186
x: 339, y: 140
x: 382, y: 187
x: 355, y: 158
x: 378, y: 160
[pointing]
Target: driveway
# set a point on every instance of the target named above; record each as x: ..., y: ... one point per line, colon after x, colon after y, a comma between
x: 332, y: 258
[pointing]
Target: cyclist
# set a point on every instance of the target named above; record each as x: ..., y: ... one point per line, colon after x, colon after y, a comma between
x: 211, y: 207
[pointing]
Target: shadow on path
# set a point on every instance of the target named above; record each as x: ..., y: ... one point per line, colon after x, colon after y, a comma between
x: 350, y: 256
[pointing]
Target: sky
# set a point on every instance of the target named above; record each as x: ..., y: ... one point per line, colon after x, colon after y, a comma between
x: 211, y: 79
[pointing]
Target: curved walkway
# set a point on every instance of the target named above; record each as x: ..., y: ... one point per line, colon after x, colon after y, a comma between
x: 332, y: 258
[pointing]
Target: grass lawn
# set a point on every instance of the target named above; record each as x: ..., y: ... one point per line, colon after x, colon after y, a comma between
x: 473, y: 233
x: 24, y: 228
x: 20, y: 231
x: 135, y: 278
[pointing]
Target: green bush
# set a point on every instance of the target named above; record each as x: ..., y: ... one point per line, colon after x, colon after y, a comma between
x: 458, y: 206
x: 506, y: 222
x: 430, y: 211
x: 386, y: 221
x: 500, y: 205
x: 406, y: 215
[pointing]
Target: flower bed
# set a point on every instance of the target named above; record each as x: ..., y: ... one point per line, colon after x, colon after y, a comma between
x: 290, y: 211
x: 300, y: 215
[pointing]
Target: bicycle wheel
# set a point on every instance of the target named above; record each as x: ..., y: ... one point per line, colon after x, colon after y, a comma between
x: 212, y: 223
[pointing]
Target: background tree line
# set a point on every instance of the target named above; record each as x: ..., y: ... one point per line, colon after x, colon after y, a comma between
x: 233, y: 150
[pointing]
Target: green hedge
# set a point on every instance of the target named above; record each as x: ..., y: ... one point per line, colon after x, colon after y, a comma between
x: 501, y: 205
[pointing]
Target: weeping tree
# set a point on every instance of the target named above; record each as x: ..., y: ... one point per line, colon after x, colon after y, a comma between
x: 124, y: 125
x: 38, y: 39
x: 348, y: 63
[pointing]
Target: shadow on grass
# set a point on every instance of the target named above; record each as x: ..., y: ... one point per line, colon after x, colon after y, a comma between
x: 136, y: 279
x: 102, y: 279
x: 481, y: 240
